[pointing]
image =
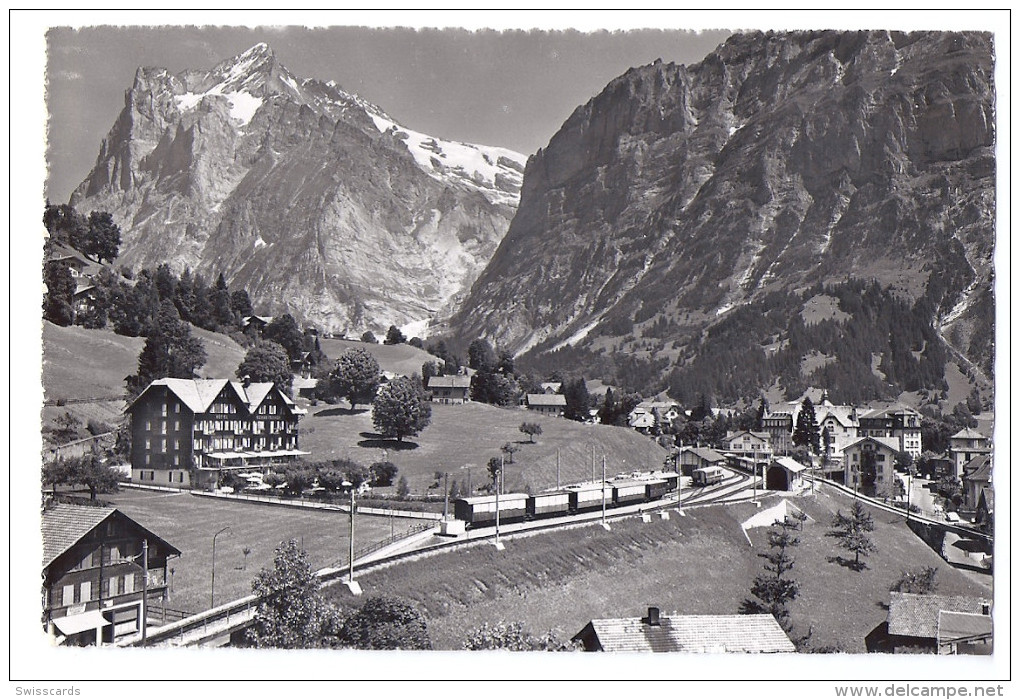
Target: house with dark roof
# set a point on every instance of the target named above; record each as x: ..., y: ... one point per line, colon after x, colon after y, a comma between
x: 452, y: 388
x: 95, y: 562
x: 748, y: 445
x: 977, y: 476
x: 784, y: 474
x: 547, y: 404
x: 187, y: 432
x: 706, y: 634
x: 930, y: 623
x: 898, y: 423
x: 779, y: 426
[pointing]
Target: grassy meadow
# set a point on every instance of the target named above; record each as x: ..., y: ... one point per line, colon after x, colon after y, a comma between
x: 462, y: 438
x: 189, y: 523
x: 400, y: 359
x: 699, y: 564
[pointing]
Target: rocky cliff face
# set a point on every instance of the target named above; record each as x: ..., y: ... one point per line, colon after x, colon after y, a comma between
x: 681, y: 193
x: 311, y: 198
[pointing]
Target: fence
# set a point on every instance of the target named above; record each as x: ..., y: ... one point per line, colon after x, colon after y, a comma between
x: 319, y: 505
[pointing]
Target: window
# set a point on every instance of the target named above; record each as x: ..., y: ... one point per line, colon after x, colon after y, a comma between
x: 67, y: 597
x: 177, y: 407
x: 121, y: 583
x: 162, y: 427
x: 86, y: 591
x: 148, y: 444
x: 148, y: 425
x: 177, y: 425
x: 162, y: 410
x: 146, y: 460
x: 129, y: 583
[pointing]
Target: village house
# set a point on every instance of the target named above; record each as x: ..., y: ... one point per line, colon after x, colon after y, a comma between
x: 779, y: 426
x: 187, y: 432
x: 704, y: 634
x: 551, y: 387
x: 253, y: 326
x: 547, y: 404
x: 964, y: 446
x: 871, y: 454
x: 934, y: 624
x: 94, y: 573
x: 749, y: 446
x: 83, y: 300
x: 977, y: 476
x: 453, y: 388
x: 78, y: 264
x: 649, y: 415
x: 842, y: 424
x: 898, y: 423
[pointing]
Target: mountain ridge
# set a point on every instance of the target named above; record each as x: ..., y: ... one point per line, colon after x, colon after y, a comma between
x: 311, y: 197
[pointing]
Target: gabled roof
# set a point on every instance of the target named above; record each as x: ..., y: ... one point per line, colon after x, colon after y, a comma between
x: 65, y: 524
x: 761, y: 435
x: 963, y: 626
x: 969, y: 434
x: 199, y: 394
x: 688, y: 633
x: 59, y: 251
x: 916, y: 615
x: 978, y: 469
x: 547, y: 400
x: 889, y: 443
x: 844, y: 415
x: 790, y: 463
x: 705, y: 453
x: 450, y: 381
x: 987, y: 498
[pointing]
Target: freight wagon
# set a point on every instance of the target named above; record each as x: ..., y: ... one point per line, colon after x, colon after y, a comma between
x: 656, y: 489
x: 629, y: 492
x: 586, y: 497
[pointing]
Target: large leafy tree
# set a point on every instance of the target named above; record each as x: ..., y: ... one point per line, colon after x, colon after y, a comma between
x: 88, y: 470
x: 170, y: 351
x: 576, y: 394
x: 402, y: 408
x: 851, y: 531
x: 291, y: 613
x: 385, y: 622
x: 267, y: 362
x: 103, y: 238
x: 774, y: 589
x: 285, y: 331
x: 57, y: 303
x: 394, y: 336
x: 355, y: 377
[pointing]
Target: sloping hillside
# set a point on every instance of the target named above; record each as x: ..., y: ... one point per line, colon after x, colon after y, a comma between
x: 400, y: 359
x: 80, y: 363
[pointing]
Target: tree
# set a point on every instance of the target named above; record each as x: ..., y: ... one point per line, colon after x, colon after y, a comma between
x: 67, y: 428
x: 904, y: 462
x: 394, y: 336
x: 59, y: 298
x: 494, y: 388
x: 55, y: 473
x: 921, y: 581
x: 240, y: 304
x: 531, y: 430
x: 368, y: 337
x: 383, y: 473
x: 512, y: 637
x: 508, y: 449
x: 291, y: 612
x: 774, y: 590
x: 576, y: 394
x: 608, y: 410
x: 356, y: 376
x: 402, y: 408
x: 285, y: 331
x: 385, y: 622
x: 703, y: 408
x: 219, y: 299
x: 494, y: 465
x: 806, y: 431
x: 103, y: 238
x: 267, y: 362
x: 90, y: 471
x: 481, y: 356
x: 759, y: 417
x: 416, y: 342
x: 852, y: 530
x: 403, y: 490
x: 169, y: 351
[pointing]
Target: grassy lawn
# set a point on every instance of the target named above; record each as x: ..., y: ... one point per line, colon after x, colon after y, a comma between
x: 700, y: 564
x: 470, y: 434
x: 401, y: 359
x: 189, y: 523
x: 87, y: 363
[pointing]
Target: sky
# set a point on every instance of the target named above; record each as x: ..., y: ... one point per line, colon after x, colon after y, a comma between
x: 509, y: 88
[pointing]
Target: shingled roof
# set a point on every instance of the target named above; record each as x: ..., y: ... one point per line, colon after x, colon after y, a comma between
x: 749, y: 634
x: 65, y: 524
x: 917, y: 615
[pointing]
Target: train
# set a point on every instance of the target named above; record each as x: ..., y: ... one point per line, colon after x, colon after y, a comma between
x: 706, y: 476
x: 480, y: 511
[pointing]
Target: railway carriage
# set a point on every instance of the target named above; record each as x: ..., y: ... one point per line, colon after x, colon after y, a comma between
x: 628, y: 492
x: 548, y: 504
x: 706, y: 476
x: 589, y: 497
x: 656, y: 489
x: 480, y: 511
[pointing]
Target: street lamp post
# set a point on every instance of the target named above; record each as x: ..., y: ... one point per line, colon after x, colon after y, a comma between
x: 212, y: 588
x: 499, y: 545
x: 352, y: 585
x: 605, y: 525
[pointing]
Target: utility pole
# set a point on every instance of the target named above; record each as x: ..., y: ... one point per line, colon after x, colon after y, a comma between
x: 499, y: 474
x: 446, y: 495
x: 557, y: 468
x: 145, y: 588
x: 605, y: 525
